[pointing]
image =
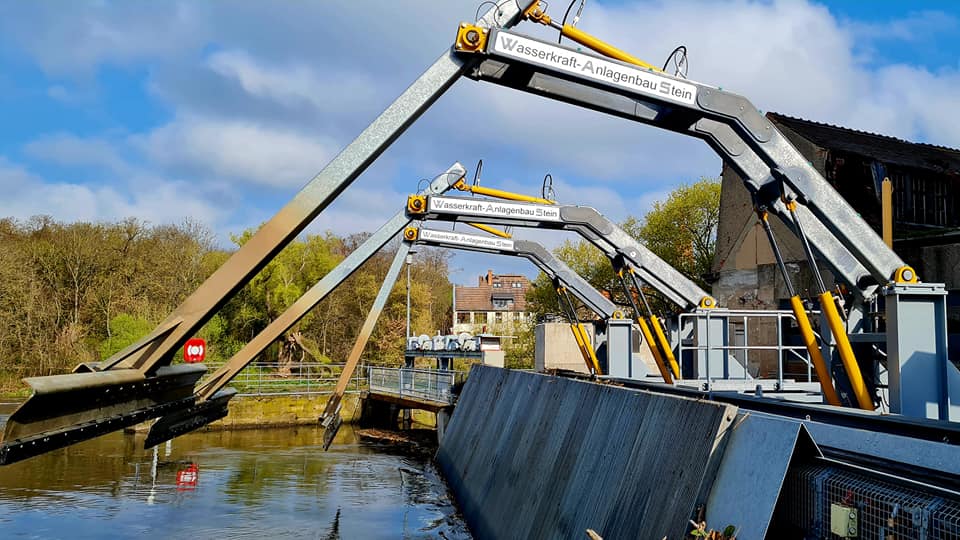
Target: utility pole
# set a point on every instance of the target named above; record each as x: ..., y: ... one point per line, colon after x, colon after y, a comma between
x: 409, y: 262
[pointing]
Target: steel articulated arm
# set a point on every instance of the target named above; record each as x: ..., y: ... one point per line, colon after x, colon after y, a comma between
x: 587, y: 222
x: 540, y: 256
x: 729, y: 123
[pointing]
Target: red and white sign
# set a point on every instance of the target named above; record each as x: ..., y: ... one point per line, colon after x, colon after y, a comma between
x: 194, y: 350
x: 188, y: 478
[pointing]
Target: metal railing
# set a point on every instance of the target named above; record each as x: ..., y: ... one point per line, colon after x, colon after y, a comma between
x: 428, y: 384
x: 738, y: 346
x: 300, y: 378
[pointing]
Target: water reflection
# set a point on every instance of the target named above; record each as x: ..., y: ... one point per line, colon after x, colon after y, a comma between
x: 247, y: 484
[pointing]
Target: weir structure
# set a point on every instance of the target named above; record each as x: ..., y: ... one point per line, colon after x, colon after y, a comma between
x: 892, y: 471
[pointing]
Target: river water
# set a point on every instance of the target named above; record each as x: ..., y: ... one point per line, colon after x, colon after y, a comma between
x: 270, y: 483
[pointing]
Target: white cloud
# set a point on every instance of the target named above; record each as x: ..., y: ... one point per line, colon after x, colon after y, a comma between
x: 294, y: 84
x: 76, y: 37
x: 276, y: 104
x: 238, y: 149
x: 69, y: 149
x: 165, y: 201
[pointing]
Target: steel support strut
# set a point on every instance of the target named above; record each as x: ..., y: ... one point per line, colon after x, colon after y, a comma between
x: 158, y: 349
x: 213, y: 389
x: 331, y: 415
x: 318, y: 292
x: 310, y: 201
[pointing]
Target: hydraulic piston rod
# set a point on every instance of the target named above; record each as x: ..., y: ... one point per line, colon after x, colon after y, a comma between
x: 829, y: 307
x: 803, y: 322
x: 645, y: 331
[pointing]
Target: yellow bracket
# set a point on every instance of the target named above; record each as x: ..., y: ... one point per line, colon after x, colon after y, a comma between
x: 471, y: 38
x: 499, y: 193
x: 708, y: 302
x: 416, y: 204
x: 410, y: 234
x: 905, y: 274
x: 790, y: 204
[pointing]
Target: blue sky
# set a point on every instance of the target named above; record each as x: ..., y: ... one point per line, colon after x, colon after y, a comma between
x: 221, y: 111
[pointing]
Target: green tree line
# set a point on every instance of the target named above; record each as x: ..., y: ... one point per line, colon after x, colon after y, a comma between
x: 79, y: 292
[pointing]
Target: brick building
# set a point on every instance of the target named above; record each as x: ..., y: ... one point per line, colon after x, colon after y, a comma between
x: 926, y: 216
x: 497, y: 301
x: 926, y: 210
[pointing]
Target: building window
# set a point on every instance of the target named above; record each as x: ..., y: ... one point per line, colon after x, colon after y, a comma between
x: 462, y: 317
x: 502, y: 303
x: 497, y: 284
x: 516, y: 285
x: 923, y: 201
x: 498, y: 317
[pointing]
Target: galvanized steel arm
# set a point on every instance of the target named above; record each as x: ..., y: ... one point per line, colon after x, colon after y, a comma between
x: 310, y: 201
x: 532, y: 251
x: 321, y: 289
x: 587, y: 222
x: 729, y: 123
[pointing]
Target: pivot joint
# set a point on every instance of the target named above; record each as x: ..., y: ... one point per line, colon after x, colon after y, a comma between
x: 905, y: 274
x: 471, y: 38
x: 416, y: 204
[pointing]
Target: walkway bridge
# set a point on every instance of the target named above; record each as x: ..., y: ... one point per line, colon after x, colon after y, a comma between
x: 413, y: 388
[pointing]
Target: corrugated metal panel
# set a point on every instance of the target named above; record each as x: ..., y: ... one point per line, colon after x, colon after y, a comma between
x: 533, y: 456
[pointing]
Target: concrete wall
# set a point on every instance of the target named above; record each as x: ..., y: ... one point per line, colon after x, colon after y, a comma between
x: 555, y: 347
x: 272, y: 411
x: 535, y: 456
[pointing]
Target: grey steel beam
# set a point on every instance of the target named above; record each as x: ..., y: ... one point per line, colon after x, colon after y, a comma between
x: 321, y: 289
x: 587, y: 222
x: 728, y: 122
x: 527, y: 249
x: 331, y: 415
x: 310, y: 201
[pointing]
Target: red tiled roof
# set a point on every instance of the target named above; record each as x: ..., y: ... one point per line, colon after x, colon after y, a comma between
x: 480, y: 298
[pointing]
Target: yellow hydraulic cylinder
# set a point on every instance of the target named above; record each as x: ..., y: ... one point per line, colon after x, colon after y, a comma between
x: 603, y: 47
x: 500, y: 194
x: 648, y: 336
x: 589, y: 348
x: 492, y: 230
x: 850, y: 365
x: 810, y: 340
x: 579, y: 339
x: 586, y: 350
x: 665, y: 346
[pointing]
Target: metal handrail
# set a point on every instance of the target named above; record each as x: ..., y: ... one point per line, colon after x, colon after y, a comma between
x: 305, y: 378
x: 429, y: 384
x: 742, y: 317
